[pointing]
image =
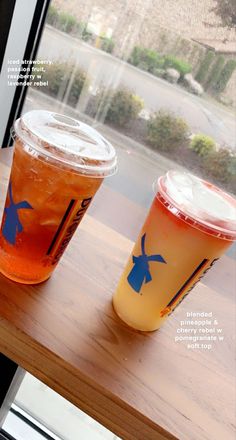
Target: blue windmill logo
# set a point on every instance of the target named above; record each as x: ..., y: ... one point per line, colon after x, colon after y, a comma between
x: 140, y: 273
x: 12, y: 225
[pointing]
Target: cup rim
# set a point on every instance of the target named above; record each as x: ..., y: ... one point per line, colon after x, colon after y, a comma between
x: 193, y: 220
x: 90, y: 167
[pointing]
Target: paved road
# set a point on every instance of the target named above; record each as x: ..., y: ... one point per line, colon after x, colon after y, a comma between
x: 202, y: 115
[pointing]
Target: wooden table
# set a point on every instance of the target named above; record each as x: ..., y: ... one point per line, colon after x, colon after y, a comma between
x: 141, y: 386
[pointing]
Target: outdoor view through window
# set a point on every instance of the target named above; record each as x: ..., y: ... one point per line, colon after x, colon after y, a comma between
x: 157, y: 79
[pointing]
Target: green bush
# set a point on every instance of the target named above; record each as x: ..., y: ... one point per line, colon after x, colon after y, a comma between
x: 152, y: 61
x: 107, y: 44
x: 225, y: 76
x: 175, y: 63
x: 79, y: 82
x: 67, y: 23
x: 120, y: 106
x: 205, y: 66
x: 146, y: 59
x: 215, y: 72
x: 202, y: 144
x: 221, y: 165
x: 52, y: 15
x: 166, y: 131
x: 135, y: 56
x: 56, y: 74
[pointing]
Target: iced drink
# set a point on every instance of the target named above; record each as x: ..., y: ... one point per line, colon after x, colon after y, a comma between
x: 58, y: 165
x: 191, y: 223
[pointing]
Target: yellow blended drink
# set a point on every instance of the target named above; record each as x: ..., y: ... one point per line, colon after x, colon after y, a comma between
x: 58, y: 165
x: 191, y: 223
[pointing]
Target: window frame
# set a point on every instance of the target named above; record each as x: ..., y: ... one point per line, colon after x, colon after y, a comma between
x: 29, y: 17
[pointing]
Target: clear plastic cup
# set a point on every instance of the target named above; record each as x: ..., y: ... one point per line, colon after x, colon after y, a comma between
x: 191, y: 223
x: 59, y: 163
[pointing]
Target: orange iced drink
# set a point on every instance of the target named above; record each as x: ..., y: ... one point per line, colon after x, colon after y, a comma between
x: 58, y: 165
x: 191, y: 223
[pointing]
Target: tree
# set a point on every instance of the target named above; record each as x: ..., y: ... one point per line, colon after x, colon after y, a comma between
x: 226, y: 10
x: 215, y: 72
x: 225, y: 76
x: 205, y: 66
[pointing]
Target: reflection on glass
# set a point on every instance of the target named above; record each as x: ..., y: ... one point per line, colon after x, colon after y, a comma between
x: 146, y: 73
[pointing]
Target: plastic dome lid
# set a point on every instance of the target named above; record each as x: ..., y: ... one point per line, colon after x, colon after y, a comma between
x: 68, y: 141
x: 202, y: 204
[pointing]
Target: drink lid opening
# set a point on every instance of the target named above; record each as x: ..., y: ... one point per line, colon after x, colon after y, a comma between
x: 68, y: 141
x: 199, y: 203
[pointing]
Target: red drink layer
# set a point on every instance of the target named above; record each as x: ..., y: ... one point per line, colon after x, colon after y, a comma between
x: 59, y: 164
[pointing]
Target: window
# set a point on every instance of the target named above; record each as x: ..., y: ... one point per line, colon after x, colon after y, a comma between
x: 157, y: 79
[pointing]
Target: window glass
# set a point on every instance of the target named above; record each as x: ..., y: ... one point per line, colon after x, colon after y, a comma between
x: 157, y: 79
x: 157, y: 82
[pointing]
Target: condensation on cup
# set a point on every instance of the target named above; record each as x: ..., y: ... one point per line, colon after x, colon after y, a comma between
x: 191, y: 223
x: 59, y: 163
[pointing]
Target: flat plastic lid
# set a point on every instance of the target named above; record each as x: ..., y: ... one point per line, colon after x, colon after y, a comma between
x: 201, y: 202
x: 68, y: 141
